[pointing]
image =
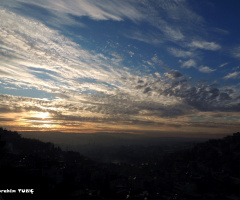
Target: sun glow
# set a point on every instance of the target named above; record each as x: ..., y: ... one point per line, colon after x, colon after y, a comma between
x: 41, y: 120
x: 42, y: 115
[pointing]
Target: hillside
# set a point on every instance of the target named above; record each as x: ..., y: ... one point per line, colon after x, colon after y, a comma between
x: 209, y: 170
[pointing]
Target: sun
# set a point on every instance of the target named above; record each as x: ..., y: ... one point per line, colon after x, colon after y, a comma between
x: 43, y: 115
x: 42, y: 121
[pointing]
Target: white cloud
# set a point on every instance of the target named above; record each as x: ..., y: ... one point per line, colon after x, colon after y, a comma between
x: 91, y: 87
x: 224, y: 64
x: 172, y: 18
x: 117, y: 58
x: 180, y: 53
x: 98, y: 10
x: 236, y: 52
x: 189, y: 63
x: 156, y: 60
x: 131, y: 53
x: 38, y: 57
x: 150, y: 38
x: 206, y: 69
x: 180, y: 11
x: 232, y: 75
x: 172, y: 33
x: 205, y: 45
x: 30, y: 48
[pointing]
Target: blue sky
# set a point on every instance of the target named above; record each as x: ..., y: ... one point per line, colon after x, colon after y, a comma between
x: 165, y: 66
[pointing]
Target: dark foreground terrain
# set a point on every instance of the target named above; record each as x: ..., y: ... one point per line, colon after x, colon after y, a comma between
x: 30, y: 169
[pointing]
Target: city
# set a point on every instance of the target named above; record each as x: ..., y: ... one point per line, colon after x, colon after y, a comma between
x: 208, y: 170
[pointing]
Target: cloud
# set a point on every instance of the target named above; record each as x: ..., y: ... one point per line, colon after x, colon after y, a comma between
x: 33, y: 53
x: 180, y: 53
x: 85, y: 84
x: 206, y: 69
x: 117, y: 58
x: 156, y: 60
x: 232, y: 75
x: 131, y: 53
x: 189, y: 63
x: 179, y: 11
x: 172, y: 18
x: 173, y: 74
x: 5, y: 119
x: 205, y: 45
x: 97, y: 89
x: 224, y: 64
x: 167, y: 21
x: 236, y: 52
x: 194, y: 96
x: 104, y: 10
x: 149, y: 37
x: 172, y: 33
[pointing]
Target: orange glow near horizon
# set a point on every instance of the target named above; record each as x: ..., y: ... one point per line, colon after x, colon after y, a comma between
x: 48, y: 122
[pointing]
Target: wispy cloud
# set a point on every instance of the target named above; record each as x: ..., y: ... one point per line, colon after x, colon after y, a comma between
x: 104, y: 10
x: 205, y: 45
x: 171, y: 18
x: 97, y: 90
x: 236, y: 52
x: 150, y: 38
x: 33, y: 53
x: 83, y: 81
x: 156, y: 60
x: 188, y: 63
x: 172, y: 33
x: 192, y: 63
x: 206, y: 69
x: 232, y: 75
x: 180, y: 53
x: 224, y: 64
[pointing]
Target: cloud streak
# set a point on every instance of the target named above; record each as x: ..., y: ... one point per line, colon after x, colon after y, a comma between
x: 206, y: 69
x: 205, y: 45
x: 104, y: 10
x: 180, y: 53
x: 189, y: 63
x: 100, y: 91
x: 232, y: 75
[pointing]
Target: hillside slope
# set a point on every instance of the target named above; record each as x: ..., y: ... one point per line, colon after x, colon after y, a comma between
x: 209, y: 170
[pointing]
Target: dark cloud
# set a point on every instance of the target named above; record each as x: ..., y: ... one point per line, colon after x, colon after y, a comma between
x: 200, y: 96
x: 5, y: 119
x: 176, y: 74
x: 204, y: 98
x: 4, y: 109
x: 174, y: 112
x: 147, y: 89
x: 140, y: 81
x: 224, y: 97
x: 212, y: 124
x: 71, y: 120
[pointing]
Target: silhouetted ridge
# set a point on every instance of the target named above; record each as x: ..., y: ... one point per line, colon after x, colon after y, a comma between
x: 30, y: 163
x: 208, y: 171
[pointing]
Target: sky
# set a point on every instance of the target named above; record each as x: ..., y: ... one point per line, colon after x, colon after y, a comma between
x: 134, y: 66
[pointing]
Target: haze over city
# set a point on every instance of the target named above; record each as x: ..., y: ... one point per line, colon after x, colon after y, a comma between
x: 151, y: 67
